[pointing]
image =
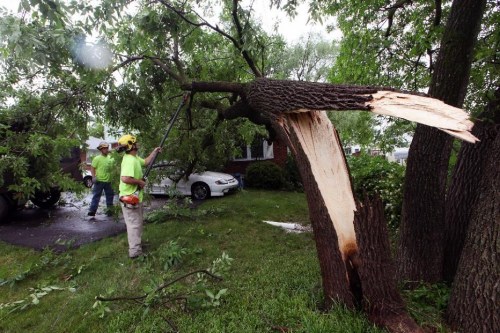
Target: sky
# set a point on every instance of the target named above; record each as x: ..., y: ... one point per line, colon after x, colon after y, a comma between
x: 291, y: 29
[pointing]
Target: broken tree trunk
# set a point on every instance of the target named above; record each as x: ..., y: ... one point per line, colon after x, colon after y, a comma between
x: 361, y: 278
x: 321, y: 162
x: 294, y: 110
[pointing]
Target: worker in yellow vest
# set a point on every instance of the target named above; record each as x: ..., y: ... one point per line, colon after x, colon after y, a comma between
x: 100, y: 169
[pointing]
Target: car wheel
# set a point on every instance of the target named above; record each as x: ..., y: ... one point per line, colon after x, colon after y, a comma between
x: 200, y: 191
x: 87, y: 181
x: 46, y: 199
x: 4, y: 208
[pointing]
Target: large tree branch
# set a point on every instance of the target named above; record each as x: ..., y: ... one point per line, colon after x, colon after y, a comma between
x: 391, y: 11
x: 169, y: 70
x: 128, y: 60
x: 438, y: 13
x: 272, y: 98
x: 176, y: 58
x: 238, y: 43
x: 179, y: 78
x: 215, y: 86
x: 241, y: 41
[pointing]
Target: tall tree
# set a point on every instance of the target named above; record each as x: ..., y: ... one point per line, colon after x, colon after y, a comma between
x: 421, y: 250
x: 473, y: 303
x: 464, y: 183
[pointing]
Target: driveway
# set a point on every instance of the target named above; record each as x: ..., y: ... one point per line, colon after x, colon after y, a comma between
x: 66, y: 226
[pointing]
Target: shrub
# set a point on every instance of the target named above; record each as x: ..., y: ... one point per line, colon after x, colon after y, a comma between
x: 292, y: 174
x: 375, y: 175
x: 264, y: 175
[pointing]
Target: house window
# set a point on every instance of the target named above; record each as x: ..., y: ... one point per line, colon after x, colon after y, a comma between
x: 258, y: 150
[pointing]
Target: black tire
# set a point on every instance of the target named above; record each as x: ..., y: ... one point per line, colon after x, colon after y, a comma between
x: 200, y: 191
x: 46, y: 199
x: 5, y: 208
x: 87, y: 181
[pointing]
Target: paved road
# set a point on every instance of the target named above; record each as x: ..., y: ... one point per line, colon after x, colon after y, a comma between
x: 64, y: 226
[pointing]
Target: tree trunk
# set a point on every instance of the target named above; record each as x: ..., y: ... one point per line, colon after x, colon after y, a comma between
x: 421, y: 252
x: 323, y: 169
x: 381, y: 299
x: 473, y: 305
x: 465, y: 186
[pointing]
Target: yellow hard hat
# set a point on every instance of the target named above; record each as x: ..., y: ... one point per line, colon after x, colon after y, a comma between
x: 127, y: 141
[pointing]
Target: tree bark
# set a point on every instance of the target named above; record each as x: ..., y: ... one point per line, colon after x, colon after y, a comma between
x: 473, y: 305
x: 381, y: 299
x: 465, y: 185
x: 421, y: 252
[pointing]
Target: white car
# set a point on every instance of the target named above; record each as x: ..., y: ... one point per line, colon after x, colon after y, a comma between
x: 200, y: 186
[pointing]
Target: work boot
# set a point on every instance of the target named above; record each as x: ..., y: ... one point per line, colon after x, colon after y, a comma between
x: 136, y: 256
x: 91, y: 214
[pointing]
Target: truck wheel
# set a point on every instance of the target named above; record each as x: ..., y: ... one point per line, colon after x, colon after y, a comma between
x: 46, y: 199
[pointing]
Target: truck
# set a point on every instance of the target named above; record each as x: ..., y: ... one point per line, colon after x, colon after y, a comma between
x: 11, y: 201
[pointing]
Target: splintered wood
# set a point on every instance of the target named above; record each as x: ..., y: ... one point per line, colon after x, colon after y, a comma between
x: 424, y: 110
x: 324, y: 152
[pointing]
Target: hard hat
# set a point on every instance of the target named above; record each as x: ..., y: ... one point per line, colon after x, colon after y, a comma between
x: 127, y: 141
x: 103, y: 144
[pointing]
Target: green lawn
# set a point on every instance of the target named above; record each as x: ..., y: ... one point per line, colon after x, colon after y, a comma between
x: 273, y: 281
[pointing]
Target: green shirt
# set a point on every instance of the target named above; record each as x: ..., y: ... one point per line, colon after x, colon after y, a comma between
x: 131, y: 167
x: 103, y: 166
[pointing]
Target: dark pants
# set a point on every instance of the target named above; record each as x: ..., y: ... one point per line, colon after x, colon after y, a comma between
x: 97, y: 192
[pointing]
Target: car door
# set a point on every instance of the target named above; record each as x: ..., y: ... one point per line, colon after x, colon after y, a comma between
x: 183, y: 187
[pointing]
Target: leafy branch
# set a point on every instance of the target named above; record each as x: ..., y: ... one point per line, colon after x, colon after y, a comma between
x: 159, y: 288
x: 158, y: 296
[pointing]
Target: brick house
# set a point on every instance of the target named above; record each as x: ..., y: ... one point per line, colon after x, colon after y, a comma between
x: 260, y: 150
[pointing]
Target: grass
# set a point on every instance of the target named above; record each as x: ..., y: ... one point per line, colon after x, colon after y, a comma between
x: 273, y: 281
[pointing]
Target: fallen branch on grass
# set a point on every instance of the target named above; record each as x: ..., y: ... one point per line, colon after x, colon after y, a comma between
x: 163, y: 286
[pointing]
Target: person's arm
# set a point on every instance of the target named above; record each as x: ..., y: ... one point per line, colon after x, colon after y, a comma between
x: 133, y: 181
x: 148, y: 159
x: 92, y: 173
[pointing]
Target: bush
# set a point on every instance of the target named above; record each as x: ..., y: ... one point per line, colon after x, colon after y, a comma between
x: 292, y: 174
x: 264, y: 175
x: 375, y: 175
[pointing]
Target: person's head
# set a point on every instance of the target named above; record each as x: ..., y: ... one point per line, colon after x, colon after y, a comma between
x: 103, y: 147
x: 127, y: 143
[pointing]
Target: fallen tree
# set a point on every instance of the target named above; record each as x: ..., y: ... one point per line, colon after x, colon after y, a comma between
x: 295, y: 112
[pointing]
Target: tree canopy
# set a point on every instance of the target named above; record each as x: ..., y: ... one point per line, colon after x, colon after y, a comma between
x: 68, y: 68
x: 121, y: 63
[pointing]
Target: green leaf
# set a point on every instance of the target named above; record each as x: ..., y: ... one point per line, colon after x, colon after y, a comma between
x: 210, y: 294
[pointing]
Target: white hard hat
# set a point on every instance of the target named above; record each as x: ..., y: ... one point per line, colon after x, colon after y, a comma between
x: 103, y: 144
